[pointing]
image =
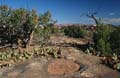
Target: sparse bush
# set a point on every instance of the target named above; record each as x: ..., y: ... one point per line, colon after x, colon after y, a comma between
x: 74, y: 31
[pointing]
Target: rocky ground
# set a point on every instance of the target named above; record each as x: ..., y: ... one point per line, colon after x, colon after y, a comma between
x: 73, y: 63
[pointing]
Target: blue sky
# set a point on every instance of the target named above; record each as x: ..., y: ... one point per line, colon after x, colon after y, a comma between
x: 70, y: 11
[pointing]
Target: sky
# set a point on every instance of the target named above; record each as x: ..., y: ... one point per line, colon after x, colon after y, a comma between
x: 72, y: 11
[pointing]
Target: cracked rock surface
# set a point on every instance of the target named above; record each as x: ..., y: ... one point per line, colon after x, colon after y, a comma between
x: 73, y: 64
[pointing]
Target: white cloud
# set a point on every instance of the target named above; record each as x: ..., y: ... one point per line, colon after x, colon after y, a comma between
x: 111, y: 14
x: 111, y: 20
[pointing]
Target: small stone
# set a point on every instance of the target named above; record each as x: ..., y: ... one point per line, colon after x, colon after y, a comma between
x: 71, y: 57
x: 62, y: 66
x: 13, y: 74
x: 87, y: 75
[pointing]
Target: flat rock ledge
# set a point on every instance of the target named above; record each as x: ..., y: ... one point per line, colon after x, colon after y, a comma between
x: 62, y: 66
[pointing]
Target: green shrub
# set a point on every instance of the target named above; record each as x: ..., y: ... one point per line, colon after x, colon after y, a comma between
x: 74, y: 31
x: 115, y: 40
x: 54, y: 30
x: 42, y: 36
x: 17, y: 26
x: 101, y: 45
x: 102, y: 40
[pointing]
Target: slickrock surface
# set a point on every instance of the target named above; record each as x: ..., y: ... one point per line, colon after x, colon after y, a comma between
x: 62, y: 66
x: 73, y: 64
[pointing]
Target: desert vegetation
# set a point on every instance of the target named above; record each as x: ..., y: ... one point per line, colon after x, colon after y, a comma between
x: 74, y: 31
x: 19, y: 25
x: 26, y: 34
x: 17, y: 29
x: 104, y: 42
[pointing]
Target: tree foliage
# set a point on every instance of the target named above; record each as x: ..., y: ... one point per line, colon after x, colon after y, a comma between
x: 102, y: 39
x: 17, y: 25
x: 45, y: 19
x: 115, y: 40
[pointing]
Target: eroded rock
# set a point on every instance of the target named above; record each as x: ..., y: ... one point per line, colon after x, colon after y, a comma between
x: 62, y: 66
